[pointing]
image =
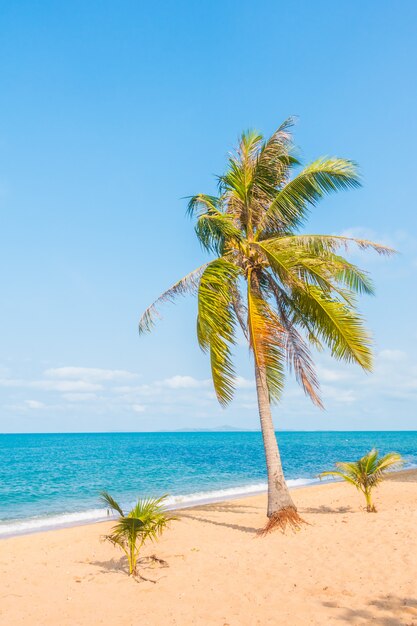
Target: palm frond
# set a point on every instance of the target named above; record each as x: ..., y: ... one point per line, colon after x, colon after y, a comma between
x: 391, y: 461
x: 111, y: 502
x: 188, y: 284
x: 214, y: 230
x: 290, y: 206
x: 240, y: 309
x: 335, y: 474
x: 337, y: 323
x: 216, y: 323
x: 330, y: 243
x: 266, y: 339
x: 314, y: 260
x: 300, y: 360
x: 203, y: 203
x: 271, y: 169
x: 288, y: 309
x: 295, y: 348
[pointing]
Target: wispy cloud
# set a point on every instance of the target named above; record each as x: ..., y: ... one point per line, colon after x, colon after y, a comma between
x: 183, y: 382
x: 89, y: 374
x: 80, y: 397
x: 244, y: 383
x: 116, y: 395
x: 34, y: 404
x: 138, y: 408
x: 51, y: 385
x: 392, y: 355
x: 328, y: 375
x: 338, y: 395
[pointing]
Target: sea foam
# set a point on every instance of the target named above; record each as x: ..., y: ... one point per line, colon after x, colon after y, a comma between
x: 180, y: 501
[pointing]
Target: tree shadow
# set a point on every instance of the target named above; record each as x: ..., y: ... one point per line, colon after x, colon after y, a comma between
x: 115, y: 566
x: 206, y: 520
x: 391, y: 611
x: 327, y: 509
x: 145, y: 563
x: 226, y: 508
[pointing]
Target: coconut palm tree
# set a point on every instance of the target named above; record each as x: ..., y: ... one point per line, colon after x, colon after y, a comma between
x: 285, y: 290
x: 146, y: 521
x: 366, y: 473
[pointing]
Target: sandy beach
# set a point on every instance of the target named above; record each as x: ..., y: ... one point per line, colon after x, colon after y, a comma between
x: 344, y: 567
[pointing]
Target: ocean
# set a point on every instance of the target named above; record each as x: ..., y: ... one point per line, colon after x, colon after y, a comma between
x: 53, y: 480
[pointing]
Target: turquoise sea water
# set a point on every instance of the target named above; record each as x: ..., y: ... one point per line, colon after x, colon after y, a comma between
x: 48, y: 480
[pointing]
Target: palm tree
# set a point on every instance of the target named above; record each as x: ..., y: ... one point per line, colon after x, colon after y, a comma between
x: 366, y: 473
x: 286, y: 290
x: 146, y: 521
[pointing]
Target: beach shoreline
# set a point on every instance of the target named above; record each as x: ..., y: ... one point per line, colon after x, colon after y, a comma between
x: 213, y: 569
x: 241, y: 493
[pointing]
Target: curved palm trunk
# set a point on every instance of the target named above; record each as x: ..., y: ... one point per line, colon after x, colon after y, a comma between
x: 281, y: 508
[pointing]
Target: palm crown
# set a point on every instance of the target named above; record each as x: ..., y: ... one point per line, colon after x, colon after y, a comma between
x: 285, y: 289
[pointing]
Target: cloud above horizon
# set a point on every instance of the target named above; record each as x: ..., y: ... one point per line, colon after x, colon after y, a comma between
x: 70, y: 390
x: 89, y: 374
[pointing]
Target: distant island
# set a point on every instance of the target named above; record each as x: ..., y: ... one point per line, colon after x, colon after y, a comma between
x: 217, y: 429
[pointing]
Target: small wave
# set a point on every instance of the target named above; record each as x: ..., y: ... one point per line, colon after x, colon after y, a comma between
x: 181, y: 501
x: 51, y: 522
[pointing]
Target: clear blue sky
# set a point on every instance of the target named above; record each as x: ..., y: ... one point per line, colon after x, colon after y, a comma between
x: 111, y: 113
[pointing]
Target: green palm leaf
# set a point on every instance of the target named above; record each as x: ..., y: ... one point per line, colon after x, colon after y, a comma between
x: 188, y: 284
x: 216, y: 323
x: 266, y: 339
x: 337, y: 324
x: 112, y: 504
x: 366, y: 473
x: 290, y: 206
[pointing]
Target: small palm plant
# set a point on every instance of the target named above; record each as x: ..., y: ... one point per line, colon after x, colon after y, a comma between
x: 146, y: 521
x: 367, y: 473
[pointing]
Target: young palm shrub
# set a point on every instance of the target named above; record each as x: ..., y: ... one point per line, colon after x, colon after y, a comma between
x: 286, y: 290
x: 366, y: 473
x: 146, y: 521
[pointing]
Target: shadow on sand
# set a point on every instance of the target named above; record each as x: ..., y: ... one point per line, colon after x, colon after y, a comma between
x: 390, y: 611
x: 221, y: 508
x: 326, y: 509
x: 145, y: 565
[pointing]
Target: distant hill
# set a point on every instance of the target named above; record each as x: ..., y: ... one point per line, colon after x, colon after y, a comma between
x: 217, y: 429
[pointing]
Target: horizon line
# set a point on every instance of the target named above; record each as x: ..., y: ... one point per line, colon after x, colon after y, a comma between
x: 209, y: 430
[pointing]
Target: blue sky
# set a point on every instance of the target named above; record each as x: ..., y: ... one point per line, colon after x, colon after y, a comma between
x: 111, y: 113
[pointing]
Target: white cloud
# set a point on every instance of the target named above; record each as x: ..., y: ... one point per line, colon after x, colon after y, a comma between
x: 392, y: 355
x: 66, y: 385
x: 34, y: 404
x: 244, y: 383
x: 51, y: 385
x: 188, y: 382
x: 331, y: 375
x: 89, y: 374
x: 250, y: 406
x: 79, y: 397
x: 338, y: 395
x: 183, y: 382
x: 346, y: 390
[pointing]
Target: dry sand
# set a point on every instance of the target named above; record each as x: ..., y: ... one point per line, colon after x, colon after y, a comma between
x: 346, y: 567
